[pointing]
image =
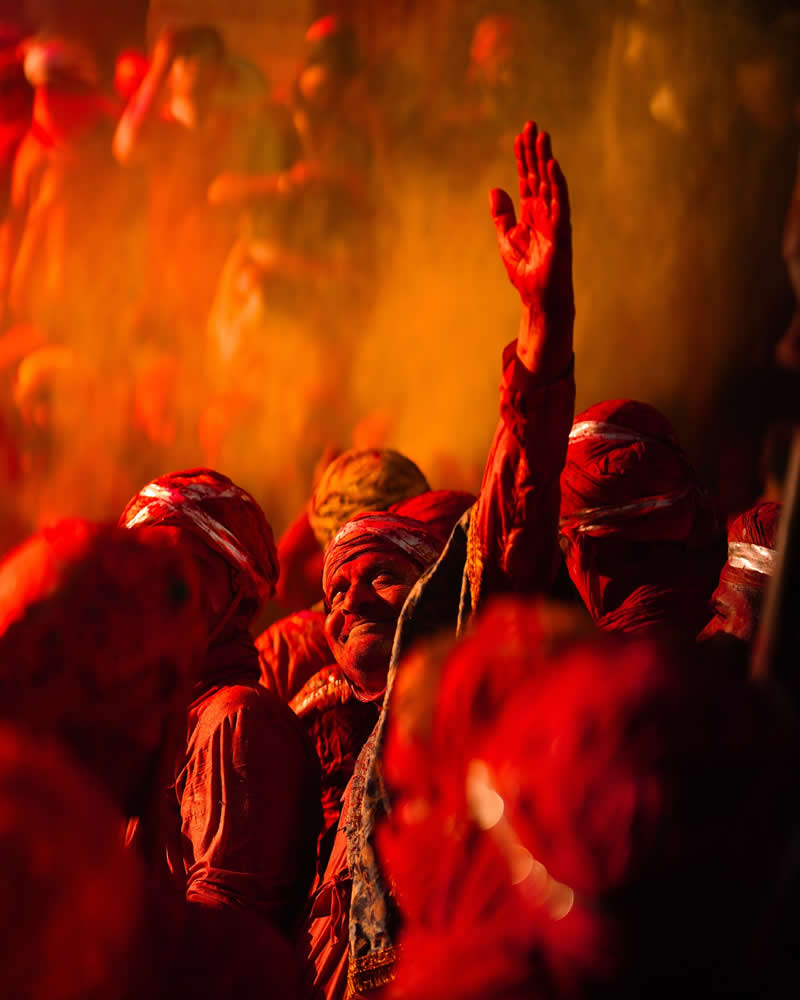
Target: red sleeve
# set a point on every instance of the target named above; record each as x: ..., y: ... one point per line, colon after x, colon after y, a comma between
x: 250, y: 807
x: 514, y: 526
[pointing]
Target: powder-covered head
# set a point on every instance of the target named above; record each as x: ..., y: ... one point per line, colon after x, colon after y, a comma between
x: 361, y: 480
x: 752, y: 540
x: 370, y: 567
x: 99, y: 632
x: 633, y: 518
x: 222, y: 515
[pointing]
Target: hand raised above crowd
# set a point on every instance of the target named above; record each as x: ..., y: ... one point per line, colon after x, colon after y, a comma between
x: 537, y: 254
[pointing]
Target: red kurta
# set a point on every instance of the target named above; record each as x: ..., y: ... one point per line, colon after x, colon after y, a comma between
x: 247, y: 788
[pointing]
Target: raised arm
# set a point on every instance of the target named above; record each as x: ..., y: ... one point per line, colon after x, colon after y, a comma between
x: 537, y: 254
x: 140, y: 116
x: 513, y: 531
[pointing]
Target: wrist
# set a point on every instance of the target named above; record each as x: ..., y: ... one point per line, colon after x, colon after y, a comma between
x: 544, y: 343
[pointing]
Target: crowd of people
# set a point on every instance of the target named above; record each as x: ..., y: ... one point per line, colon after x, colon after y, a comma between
x: 497, y: 745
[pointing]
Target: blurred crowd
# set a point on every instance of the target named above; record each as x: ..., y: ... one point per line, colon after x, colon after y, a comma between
x: 282, y: 714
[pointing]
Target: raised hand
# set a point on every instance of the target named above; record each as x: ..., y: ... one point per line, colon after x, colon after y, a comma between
x: 537, y: 251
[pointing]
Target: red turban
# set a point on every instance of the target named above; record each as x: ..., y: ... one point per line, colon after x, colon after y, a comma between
x: 382, y: 533
x: 752, y: 540
x: 72, y: 895
x: 627, y: 481
x: 438, y: 510
x: 593, y: 800
x: 100, y: 631
x: 224, y: 516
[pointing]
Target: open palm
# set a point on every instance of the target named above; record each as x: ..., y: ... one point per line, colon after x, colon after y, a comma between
x: 537, y: 249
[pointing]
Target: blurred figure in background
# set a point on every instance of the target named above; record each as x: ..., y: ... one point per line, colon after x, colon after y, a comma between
x: 16, y: 106
x: 68, y: 206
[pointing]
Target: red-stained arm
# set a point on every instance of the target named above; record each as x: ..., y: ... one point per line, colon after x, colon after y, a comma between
x: 514, y: 526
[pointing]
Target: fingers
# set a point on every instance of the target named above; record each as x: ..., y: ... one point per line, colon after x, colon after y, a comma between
x: 502, y: 209
x: 543, y: 157
x: 559, y: 208
x: 522, y: 168
x: 528, y: 146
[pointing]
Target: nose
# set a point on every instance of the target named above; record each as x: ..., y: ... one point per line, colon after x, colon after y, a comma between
x: 358, y: 597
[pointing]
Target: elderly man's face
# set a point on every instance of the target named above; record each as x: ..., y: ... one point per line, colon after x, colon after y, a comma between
x: 366, y: 595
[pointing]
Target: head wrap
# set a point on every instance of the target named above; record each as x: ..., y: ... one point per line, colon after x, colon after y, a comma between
x: 439, y: 510
x: 130, y: 69
x: 596, y: 794
x: 382, y: 533
x: 627, y: 480
x: 333, y: 42
x: 360, y: 480
x: 100, y: 631
x: 53, y: 59
x: 752, y: 541
x: 72, y: 895
x: 224, y: 516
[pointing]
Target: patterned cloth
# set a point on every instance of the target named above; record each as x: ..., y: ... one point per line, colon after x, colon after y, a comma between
x: 223, y: 515
x: 361, y: 480
x: 383, y: 532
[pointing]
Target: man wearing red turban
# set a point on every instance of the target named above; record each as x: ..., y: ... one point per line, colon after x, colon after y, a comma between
x: 752, y: 541
x: 252, y: 847
x: 640, y: 539
x: 506, y: 542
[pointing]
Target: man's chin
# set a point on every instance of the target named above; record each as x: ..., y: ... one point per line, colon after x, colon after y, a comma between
x: 367, y: 667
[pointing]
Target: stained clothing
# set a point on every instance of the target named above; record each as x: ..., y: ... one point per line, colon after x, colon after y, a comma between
x: 292, y: 650
x: 247, y: 789
x: 508, y: 541
x: 338, y: 725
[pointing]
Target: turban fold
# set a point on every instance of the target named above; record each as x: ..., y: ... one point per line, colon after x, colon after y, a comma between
x: 100, y: 631
x: 361, y: 480
x: 626, y: 474
x: 224, y: 516
x: 752, y: 540
x: 386, y: 533
x: 642, y: 536
x: 438, y: 510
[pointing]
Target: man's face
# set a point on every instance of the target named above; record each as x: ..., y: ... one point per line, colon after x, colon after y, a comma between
x: 192, y: 83
x: 735, y: 611
x: 366, y: 595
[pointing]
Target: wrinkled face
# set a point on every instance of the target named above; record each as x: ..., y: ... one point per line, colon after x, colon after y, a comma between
x: 736, y: 611
x: 365, y: 596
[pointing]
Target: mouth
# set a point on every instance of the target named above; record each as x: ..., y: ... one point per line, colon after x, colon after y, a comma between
x: 364, y: 628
